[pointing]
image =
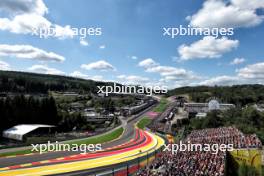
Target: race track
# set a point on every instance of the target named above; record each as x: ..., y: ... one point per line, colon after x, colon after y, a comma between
x: 132, y: 145
x: 143, y: 143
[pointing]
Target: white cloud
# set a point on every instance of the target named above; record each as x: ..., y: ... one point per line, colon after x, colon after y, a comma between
x: 24, y: 24
x: 134, y: 57
x: 78, y: 74
x: 251, y: 74
x: 233, y: 13
x: 172, y: 84
x: 254, y: 71
x: 24, y: 6
x: 26, y: 15
x: 99, y: 65
x: 252, y: 4
x: 45, y: 70
x: 221, y: 80
x: 208, y: 47
x: 102, y: 47
x: 29, y: 52
x: 4, y: 66
x: 238, y: 61
x: 132, y: 79
x: 147, y: 63
x: 172, y: 73
x: 84, y: 42
x: 167, y: 72
x: 62, y: 32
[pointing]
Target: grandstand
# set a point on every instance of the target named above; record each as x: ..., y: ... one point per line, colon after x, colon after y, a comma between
x: 200, y: 163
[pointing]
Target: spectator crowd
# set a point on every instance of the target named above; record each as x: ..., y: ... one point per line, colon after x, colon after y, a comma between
x: 200, y: 163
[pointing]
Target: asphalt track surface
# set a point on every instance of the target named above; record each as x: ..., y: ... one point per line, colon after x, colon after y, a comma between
x: 131, y: 150
x: 132, y: 144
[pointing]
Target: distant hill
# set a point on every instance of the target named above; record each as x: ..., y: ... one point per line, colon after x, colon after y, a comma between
x: 237, y: 94
x: 24, y: 82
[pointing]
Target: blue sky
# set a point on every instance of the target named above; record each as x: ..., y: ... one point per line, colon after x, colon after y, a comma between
x: 132, y: 47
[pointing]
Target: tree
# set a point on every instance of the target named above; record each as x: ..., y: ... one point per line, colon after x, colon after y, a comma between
x: 212, y: 120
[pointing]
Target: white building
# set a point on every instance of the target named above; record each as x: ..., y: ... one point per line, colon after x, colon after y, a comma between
x: 206, y: 107
x: 19, y: 132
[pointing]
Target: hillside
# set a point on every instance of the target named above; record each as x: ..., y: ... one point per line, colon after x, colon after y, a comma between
x: 23, y: 82
x: 238, y: 94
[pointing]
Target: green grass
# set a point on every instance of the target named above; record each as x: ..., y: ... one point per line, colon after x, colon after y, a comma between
x: 20, y: 152
x: 101, y: 139
x: 91, y: 140
x: 162, y: 106
x: 143, y: 122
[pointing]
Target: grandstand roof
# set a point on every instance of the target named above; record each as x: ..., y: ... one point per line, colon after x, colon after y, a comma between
x: 17, y: 132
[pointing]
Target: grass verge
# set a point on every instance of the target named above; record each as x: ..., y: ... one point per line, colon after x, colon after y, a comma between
x: 101, y: 139
x: 162, y: 105
x: 143, y: 122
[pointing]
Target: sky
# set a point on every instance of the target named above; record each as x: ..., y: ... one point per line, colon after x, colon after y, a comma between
x: 130, y: 45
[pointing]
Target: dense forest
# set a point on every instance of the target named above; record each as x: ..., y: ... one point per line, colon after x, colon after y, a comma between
x: 26, y: 98
x: 239, y: 95
x: 248, y: 120
x: 22, y: 82
x: 243, y: 116
x: 22, y: 109
x: 27, y: 110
